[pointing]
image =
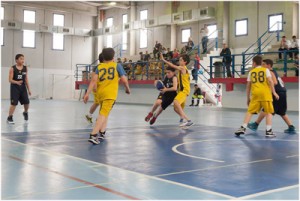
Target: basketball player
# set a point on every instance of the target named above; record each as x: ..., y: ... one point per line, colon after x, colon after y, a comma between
x: 89, y: 117
x: 183, y: 88
x: 166, y: 96
x: 19, y: 85
x: 107, y: 80
x: 280, y: 106
x: 260, y: 83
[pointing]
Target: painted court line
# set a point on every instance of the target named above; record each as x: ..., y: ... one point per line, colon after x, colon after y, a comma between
x: 268, y: 192
x: 76, y: 179
x: 292, y: 156
x: 124, y: 170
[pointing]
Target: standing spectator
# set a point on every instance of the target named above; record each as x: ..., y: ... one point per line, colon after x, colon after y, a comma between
x: 156, y: 50
x: 294, y: 46
x: 297, y: 65
x: 196, y: 68
x: 226, y: 53
x: 204, y: 40
x: 190, y: 44
x: 141, y: 56
x: 146, y: 56
x: 284, y: 45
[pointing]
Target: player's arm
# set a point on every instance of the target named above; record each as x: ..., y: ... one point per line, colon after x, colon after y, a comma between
x: 271, y: 84
x: 274, y: 78
x: 170, y: 64
x: 123, y: 78
x: 27, y: 83
x: 91, y: 87
x: 11, y: 76
x: 248, y: 89
x: 174, y: 88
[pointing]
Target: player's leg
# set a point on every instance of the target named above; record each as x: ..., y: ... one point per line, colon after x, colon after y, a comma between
x: 269, y: 110
x: 156, y: 104
x: 89, y: 116
x: 12, y: 109
x: 179, y: 103
x: 254, y: 125
x: 24, y: 100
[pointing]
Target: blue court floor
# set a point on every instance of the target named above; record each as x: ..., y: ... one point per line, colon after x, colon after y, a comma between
x: 50, y: 157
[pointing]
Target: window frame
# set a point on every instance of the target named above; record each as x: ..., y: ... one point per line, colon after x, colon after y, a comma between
x: 34, y: 16
x: 112, y: 24
x: 63, y: 21
x: 2, y: 8
x: 141, y: 15
x: 124, y: 32
x: 247, y: 21
x: 182, y: 34
x: 146, y: 40
x: 63, y: 47
x: 123, y: 19
x: 281, y: 30
x: 34, y: 46
x: 2, y: 36
x: 214, y: 24
x: 111, y: 40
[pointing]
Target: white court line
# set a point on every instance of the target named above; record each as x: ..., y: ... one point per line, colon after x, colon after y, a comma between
x: 292, y: 156
x: 129, y: 171
x: 212, y: 168
x: 267, y: 192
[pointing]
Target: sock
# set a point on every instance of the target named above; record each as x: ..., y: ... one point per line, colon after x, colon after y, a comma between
x: 103, y: 133
x: 291, y: 126
x: 94, y: 135
x: 244, y: 125
x: 269, y: 127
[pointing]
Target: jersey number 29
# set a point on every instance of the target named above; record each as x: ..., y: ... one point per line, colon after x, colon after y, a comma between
x: 110, y: 71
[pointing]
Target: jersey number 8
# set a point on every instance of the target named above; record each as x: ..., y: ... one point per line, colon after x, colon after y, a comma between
x: 260, y: 77
x: 110, y: 71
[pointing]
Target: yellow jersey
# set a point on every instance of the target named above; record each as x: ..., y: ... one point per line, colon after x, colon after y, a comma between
x: 184, y: 82
x: 260, y: 89
x: 108, y: 81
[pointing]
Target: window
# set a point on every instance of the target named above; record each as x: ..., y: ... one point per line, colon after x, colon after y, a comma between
x: 125, y: 18
x: 241, y: 27
x: 1, y: 36
x: 58, y: 39
x: 185, y: 34
x: 124, y: 40
x: 275, y: 22
x: 143, y: 14
x: 28, y: 38
x: 109, y: 42
x: 143, y: 38
x: 109, y: 22
x: 29, y: 16
x: 212, y: 31
x: 2, y: 13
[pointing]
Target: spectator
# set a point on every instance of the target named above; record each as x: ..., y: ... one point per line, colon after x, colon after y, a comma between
x: 125, y: 60
x: 156, y: 50
x: 197, y: 94
x: 190, y: 44
x: 164, y: 52
x: 169, y: 54
x: 294, y: 46
x: 218, y: 94
x: 284, y: 45
x: 175, y: 54
x: 146, y: 56
x: 141, y: 56
x: 204, y: 40
x: 183, y: 50
x: 226, y: 53
x: 196, y: 68
x: 297, y: 65
x: 119, y: 60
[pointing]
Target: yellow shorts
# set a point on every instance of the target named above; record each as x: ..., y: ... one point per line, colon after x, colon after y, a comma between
x: 106, y: 106
x: 96, y: 99
x: 181, y: 98
x: 256, y: 106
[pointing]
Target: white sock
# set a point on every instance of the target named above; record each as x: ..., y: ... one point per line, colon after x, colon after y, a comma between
x: 269, y: 127
x: 244, y: 125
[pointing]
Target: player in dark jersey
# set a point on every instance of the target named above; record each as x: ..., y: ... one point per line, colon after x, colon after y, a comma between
x: 280, y: 105
x: 166, y: 96
x: 89, y: 116
x: 197, y: 94
x: 18, y: 78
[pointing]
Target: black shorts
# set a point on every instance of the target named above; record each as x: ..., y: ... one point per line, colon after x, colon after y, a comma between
x: 160, y: 95
x: 167, y: 99
x: 18, y: 93
x: 280, y: 106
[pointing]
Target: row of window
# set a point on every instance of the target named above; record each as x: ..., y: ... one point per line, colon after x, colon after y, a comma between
x: 241, y: 29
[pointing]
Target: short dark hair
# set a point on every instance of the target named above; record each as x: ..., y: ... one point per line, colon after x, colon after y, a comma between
x: 294, y: 37
x: 170, y: 69
x: 257, y: 59
x: 101, y: 59
x: 269, y: 62
x: 185, y: 58
x: 108, y: 54
x: 283, y: 37
x: 18, y: 56
x: 195, y: 85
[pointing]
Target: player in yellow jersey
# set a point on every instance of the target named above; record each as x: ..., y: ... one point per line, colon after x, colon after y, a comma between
x: 260, y: 83
x: 107, y: 80
x: 89, y: 116
x: 183, y: 88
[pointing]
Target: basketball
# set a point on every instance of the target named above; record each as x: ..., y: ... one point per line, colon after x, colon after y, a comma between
x: 159, y: 85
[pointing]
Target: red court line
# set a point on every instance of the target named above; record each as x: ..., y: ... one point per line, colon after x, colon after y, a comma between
x: 76, y: 179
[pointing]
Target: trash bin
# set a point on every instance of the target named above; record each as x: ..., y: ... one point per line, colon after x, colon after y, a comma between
x: 218, y: 69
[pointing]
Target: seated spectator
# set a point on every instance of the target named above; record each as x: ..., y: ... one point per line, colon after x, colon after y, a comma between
x: 189, y: 45
x: 297, y: 65
x: 147, y: 56
x: 284, y: 45
x: 164, y: 52
x: 294, y: 46
x: 183, y: 50
x: 196, y: 95
x: 175, y: 54
x: 125, y: 60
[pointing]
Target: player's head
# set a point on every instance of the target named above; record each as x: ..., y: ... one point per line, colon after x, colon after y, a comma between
x: 19, y: 59
x: 170, y: 72
x: 267, y: 63
x: 101, y: 59
x: 257, y: 61
x: 196, y: 86
x: 108, y: 54
x: 184, y: 60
